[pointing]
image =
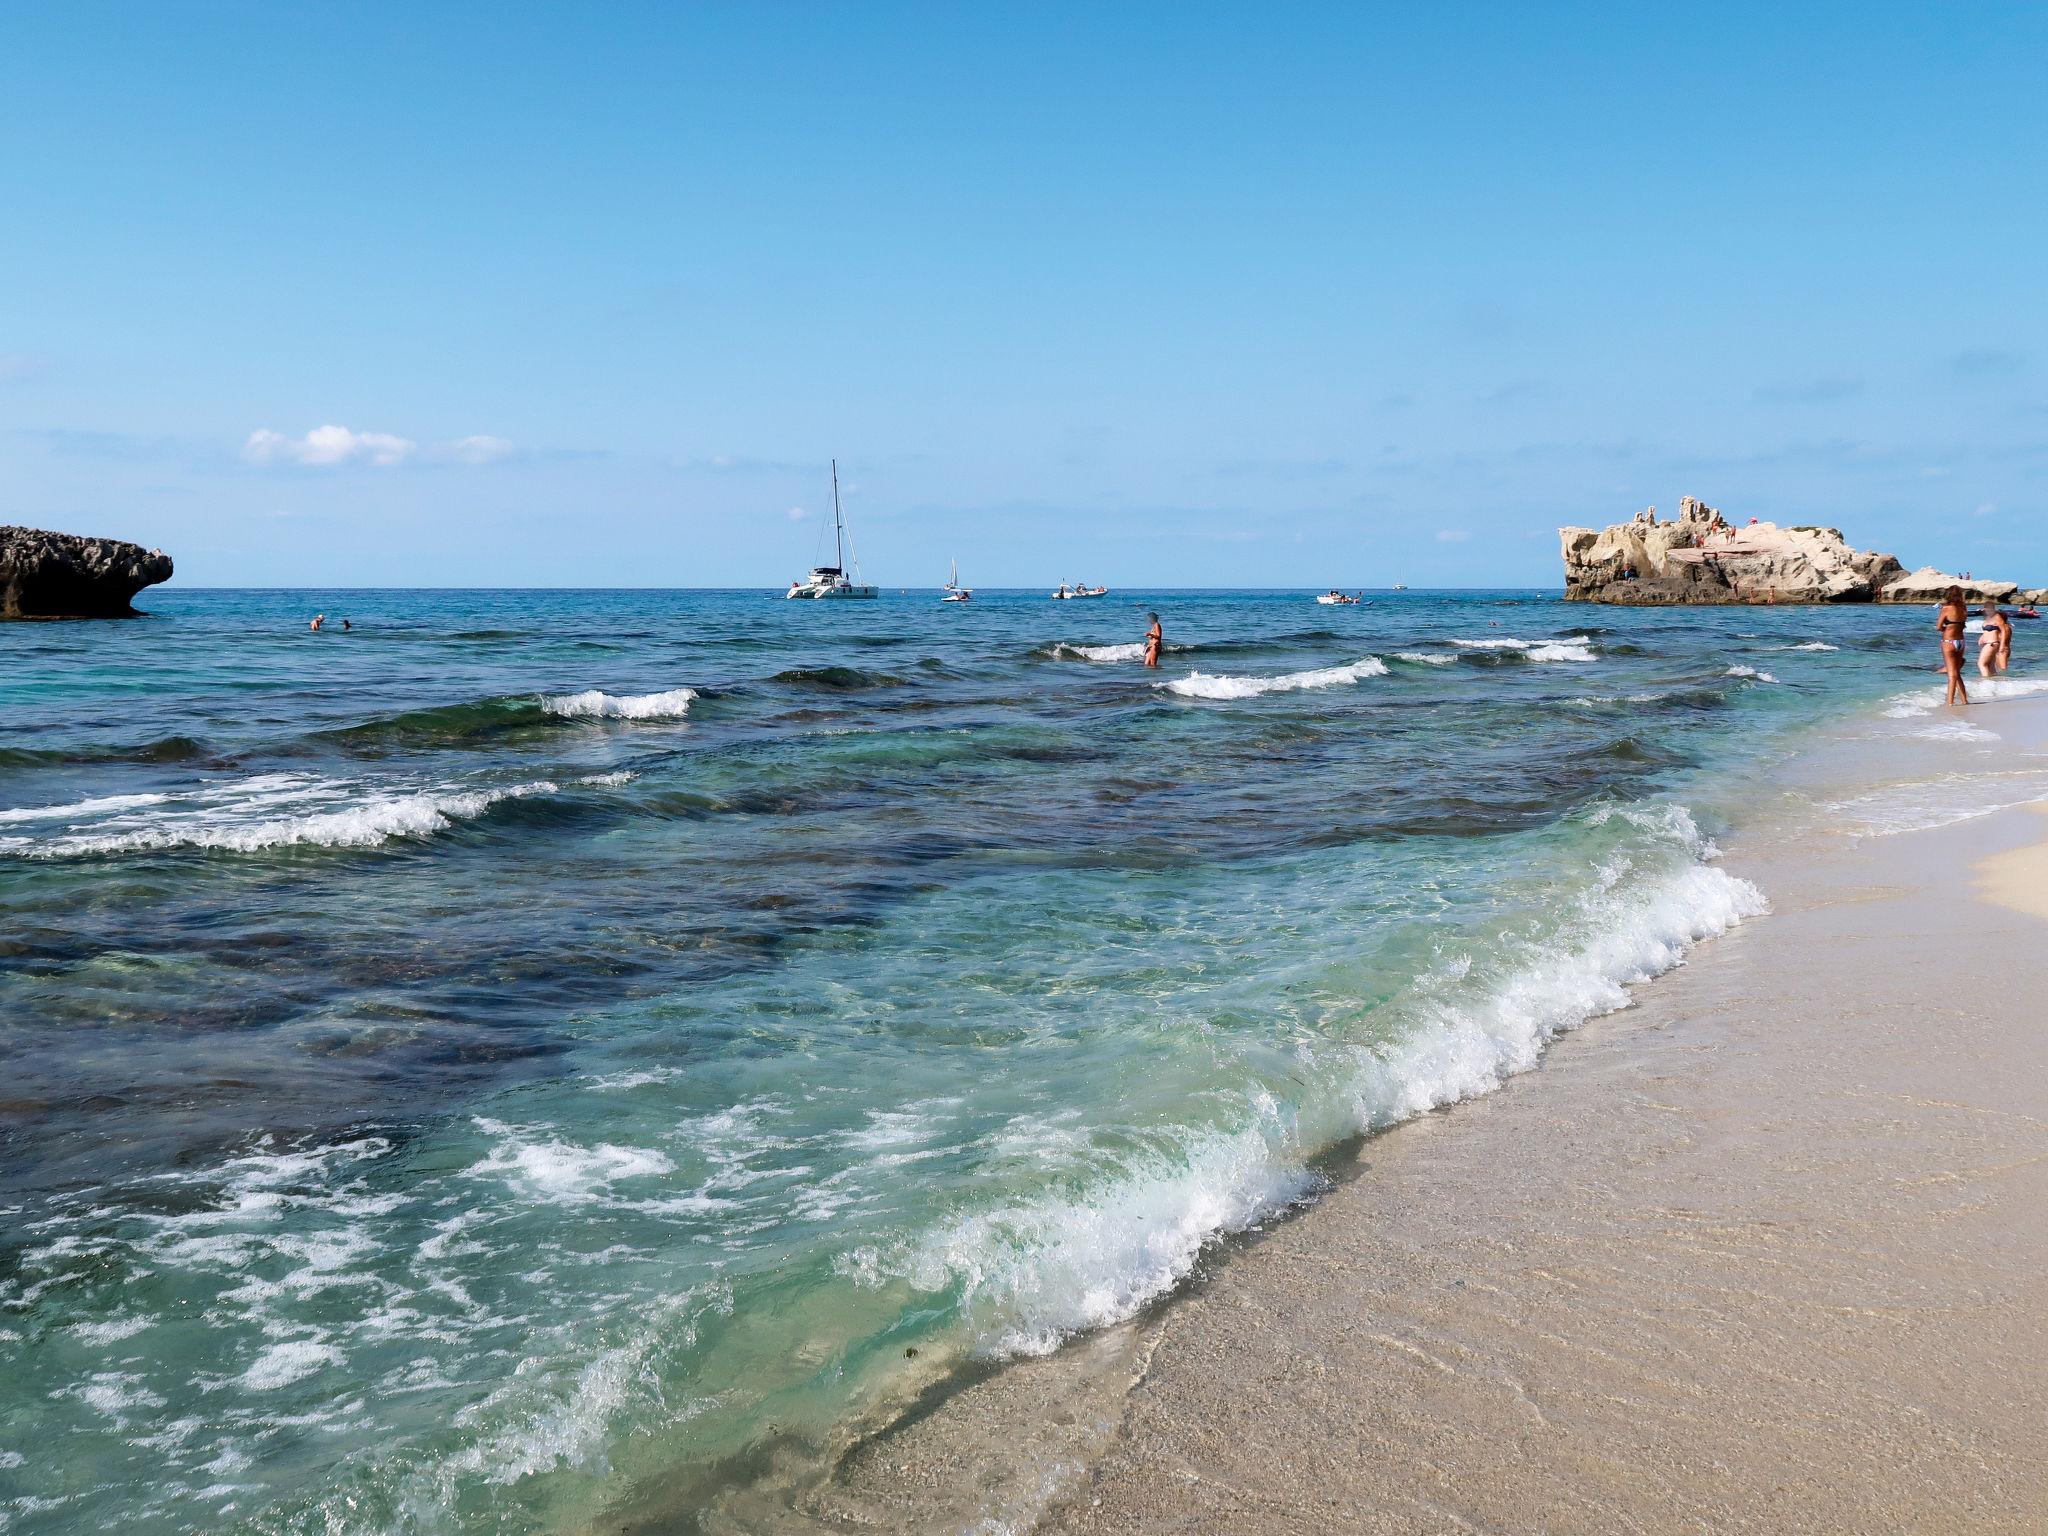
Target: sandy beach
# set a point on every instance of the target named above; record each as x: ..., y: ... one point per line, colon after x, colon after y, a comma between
x: 1764, y: 1252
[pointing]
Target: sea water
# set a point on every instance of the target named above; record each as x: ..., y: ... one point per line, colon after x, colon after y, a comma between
x: 461, y: 1069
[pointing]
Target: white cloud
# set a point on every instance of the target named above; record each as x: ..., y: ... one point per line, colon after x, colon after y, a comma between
x: 796, y: 514
x: 480, y: 449
x: 1452, y: 536
x: 329, y: 445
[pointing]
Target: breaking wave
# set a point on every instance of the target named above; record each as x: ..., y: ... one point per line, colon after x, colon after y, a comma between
x: 1204, y: 685
x: 591, y: 704
x: 1571, y: 648
x: 1035, y: 1269
x: 270, y: 811
x: 1132, y: 651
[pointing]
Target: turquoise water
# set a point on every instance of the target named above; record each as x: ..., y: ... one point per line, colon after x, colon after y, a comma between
x: 460, y: 1070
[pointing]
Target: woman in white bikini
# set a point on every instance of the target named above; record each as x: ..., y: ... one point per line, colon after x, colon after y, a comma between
x: 1954, y: 614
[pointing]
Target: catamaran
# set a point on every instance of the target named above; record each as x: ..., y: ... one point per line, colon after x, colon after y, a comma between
x: 832, y: 580
x: 955, y: 593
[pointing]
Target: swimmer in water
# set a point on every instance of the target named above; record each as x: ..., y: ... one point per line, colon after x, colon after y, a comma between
x: 1155, y: 641
x: 318, y: 620
x: 346, y: 626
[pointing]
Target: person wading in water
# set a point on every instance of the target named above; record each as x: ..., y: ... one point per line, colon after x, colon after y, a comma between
x: 1155, y: 641
x: 1955, y: 613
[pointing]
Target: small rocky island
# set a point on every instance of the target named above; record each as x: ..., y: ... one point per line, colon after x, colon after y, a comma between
x: 47, y: 575
x: 1704, y: 558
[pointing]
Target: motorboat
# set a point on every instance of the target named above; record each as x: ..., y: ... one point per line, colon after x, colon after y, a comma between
x: 1334, y: 597
x: 955, y: 593
x: 832, y: 581
x: 1066, y: 592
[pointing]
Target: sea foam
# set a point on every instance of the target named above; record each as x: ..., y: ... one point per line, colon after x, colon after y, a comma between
x: 1204, y: 685
x: 268, y: 811
x: 1922, y: 701
x: 592, y: 704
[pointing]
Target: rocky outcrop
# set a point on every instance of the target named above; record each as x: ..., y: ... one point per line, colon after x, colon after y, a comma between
x: 1927, y: 585
x: 62, y: 576
x: 1703, y: 558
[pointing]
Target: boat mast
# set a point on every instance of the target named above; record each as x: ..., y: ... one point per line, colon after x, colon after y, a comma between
x: 838, y: 538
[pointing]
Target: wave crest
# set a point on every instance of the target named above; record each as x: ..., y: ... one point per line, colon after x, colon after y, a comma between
x: 1205, y: 685
x: 592, y: 704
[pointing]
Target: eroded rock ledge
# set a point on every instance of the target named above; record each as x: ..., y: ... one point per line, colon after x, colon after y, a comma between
x: 1703, y: 558
x: 46, y: 575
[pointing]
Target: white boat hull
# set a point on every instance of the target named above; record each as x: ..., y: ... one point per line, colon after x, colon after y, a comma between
x: 822, y: 594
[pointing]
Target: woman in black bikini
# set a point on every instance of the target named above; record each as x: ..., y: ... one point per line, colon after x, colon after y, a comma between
x: 1955, y: 613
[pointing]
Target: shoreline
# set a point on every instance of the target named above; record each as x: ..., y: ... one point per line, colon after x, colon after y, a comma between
x: 1696, y: 1268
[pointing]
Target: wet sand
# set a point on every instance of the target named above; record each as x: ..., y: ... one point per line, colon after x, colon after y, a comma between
x: 1766, y: 1252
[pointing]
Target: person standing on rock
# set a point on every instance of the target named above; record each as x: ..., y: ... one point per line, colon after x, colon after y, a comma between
x: 1949, y: 622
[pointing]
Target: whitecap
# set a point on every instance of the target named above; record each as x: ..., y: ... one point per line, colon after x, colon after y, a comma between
x: 1570, y: 648
x: 1425, y: 658
x: 1808, y: 645
x: 1203, y: 685
x: 82, y: 808
x: 1752, y: 674
x: 277, y: 811
x: 1133, y: 651
x: 282, y: 1364
x: 592, y: 704
x: 549, y: 1169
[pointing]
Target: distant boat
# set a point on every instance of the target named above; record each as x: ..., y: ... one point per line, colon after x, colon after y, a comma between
x: 1400, y: 586
x: 1333, y: 597
x: 955, y: 593
x: 1083, y: 590
x: 827, y: 581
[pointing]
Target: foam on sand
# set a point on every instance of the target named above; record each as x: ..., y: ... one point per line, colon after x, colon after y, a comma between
x: 268, y: 811
x: 1204, y: 685
x: 594, y: 705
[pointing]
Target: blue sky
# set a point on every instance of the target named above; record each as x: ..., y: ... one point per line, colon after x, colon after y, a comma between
x: 1152, y: 295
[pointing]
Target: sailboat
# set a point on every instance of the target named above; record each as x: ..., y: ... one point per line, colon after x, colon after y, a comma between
x: 832, y: 580
x: 955, y: 593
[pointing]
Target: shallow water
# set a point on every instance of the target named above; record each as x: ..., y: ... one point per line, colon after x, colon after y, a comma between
x: 462, y: 1068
